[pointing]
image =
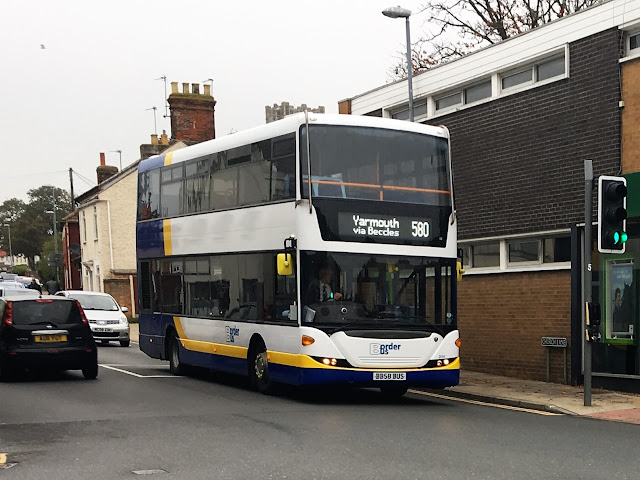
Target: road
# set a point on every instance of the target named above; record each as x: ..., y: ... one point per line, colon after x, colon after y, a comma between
x: 138, y: 418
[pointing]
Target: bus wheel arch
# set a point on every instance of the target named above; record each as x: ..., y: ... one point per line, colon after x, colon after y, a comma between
x: 258, y: 366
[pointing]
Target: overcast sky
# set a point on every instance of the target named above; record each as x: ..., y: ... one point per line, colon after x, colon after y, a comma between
x: 78, y: 76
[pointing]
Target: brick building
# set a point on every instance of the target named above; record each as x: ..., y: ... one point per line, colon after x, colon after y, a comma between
x: 524, y: 115
x: 103, y: 223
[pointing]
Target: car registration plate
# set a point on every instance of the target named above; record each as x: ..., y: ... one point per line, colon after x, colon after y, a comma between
x: 98, y: 329
x: 390, y: 376
x: 50, y: 338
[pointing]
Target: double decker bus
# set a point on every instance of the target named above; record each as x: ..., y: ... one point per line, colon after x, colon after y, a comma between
x: 315, y: 250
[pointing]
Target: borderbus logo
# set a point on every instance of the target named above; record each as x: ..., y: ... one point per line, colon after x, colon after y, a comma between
x: 383, y: 348
x: 232, y: 333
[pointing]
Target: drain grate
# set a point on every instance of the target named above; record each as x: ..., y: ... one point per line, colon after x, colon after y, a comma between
x: 149, y: 472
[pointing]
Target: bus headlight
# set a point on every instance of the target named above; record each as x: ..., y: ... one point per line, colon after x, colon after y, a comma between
x: 330, y: 361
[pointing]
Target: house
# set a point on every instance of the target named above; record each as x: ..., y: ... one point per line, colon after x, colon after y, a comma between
x: 524, y: 115
x: 103, y: 223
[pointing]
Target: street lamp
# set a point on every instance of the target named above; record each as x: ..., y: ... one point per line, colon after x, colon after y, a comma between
x: 10, y: 250
x: 399, y: 12
x: 55, y: 227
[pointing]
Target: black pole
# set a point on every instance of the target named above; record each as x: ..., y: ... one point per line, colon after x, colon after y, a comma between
x: 588, y: 245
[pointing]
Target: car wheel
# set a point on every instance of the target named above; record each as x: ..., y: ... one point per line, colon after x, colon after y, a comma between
x: 5, y: 374
x: 395, y: 391
x: 124, y: 343
x: 175, y: 365
x: 259, y: 370
x: 90, y: 371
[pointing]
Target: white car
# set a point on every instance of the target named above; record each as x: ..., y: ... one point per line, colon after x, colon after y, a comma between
x: 106, y: 318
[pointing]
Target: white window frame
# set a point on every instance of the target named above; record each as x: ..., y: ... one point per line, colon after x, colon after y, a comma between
x: 84, y: 227
x: 95, y: 222
x: 538, y: 261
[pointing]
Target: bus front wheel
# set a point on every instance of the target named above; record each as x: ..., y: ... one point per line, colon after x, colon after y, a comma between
x: 175, y: 365
x: 259, y: 371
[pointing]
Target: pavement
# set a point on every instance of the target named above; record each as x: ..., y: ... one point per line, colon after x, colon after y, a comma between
x: 534, y: 395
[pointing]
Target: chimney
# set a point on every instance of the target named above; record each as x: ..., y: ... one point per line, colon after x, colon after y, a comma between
x: 164, y: 139
x: 105, y: 171
x: 154, y: 139
x: 192, y: 114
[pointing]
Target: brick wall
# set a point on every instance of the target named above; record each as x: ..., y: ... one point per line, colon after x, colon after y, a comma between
x: 120, y: 289
x: 518, y: 162
x: 631, y: 116
x: 502, y: 318
x: 192, y: 117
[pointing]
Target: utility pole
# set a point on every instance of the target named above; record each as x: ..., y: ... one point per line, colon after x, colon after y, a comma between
x: 588, y: 276
x: 73, y: 207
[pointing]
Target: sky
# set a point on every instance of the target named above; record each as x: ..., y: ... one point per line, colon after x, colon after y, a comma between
x: 80, y: 77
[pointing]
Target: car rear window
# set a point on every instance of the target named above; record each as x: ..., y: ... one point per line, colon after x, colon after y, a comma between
x: 43, y: 312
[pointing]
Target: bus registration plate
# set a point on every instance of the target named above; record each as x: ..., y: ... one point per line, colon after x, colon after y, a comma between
x: 389, y: 376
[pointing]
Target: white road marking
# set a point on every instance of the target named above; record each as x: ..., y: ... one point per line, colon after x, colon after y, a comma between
x: 137, y: 374
x: 477, y: 402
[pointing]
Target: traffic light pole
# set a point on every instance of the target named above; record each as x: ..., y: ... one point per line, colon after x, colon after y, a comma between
x: 588, y: 244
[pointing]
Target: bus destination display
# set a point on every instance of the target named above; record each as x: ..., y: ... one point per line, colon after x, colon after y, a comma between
x: 383, y: 227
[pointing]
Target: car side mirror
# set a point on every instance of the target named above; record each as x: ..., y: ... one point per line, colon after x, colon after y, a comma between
x: 124, y: 309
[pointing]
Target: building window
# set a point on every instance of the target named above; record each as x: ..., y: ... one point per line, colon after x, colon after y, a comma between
x: 527, y: 251
x: 550, y: 69
x: 95, y: 222
x: 518, y: 78
x: 556, y: 249
x: 634, y: 42
x: 485, y: 255
x: 477, y: 92
x: 84, y: 227
x: 450, y: 100
x: 419, y: 109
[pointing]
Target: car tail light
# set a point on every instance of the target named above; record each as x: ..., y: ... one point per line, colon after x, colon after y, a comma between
x: 85, y: 320
x: 43, y: 300
x: 8, y: 313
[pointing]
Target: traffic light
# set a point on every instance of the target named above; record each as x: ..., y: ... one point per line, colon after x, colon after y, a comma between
x: 612, y: 214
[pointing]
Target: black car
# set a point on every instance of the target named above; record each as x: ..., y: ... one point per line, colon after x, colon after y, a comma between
x: 45, y: 333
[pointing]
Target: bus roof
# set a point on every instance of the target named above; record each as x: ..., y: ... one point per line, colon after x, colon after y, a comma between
x: 289, y: 124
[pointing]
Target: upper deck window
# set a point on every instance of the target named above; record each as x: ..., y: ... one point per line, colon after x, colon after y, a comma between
x: 376, y: 164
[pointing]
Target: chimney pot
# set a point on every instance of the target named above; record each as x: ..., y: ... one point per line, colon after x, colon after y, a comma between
x: 102, y: 159
x: 207, y: 89
x: 154, y: 139
x: 185, y: 87
x: 164, y: 140
x: 174, y: 87
x: 195, y: 88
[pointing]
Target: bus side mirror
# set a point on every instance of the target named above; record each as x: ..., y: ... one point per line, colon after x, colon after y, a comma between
x: 285, y: 264
x: 459, y: 271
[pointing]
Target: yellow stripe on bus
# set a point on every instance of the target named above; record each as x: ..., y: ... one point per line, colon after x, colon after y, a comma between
x: 166, y: 232
x: 168, y: 158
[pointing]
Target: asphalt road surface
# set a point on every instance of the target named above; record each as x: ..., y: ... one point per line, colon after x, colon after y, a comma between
x: 139, y: 421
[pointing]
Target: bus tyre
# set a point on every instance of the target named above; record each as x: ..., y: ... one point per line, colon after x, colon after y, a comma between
x: 259, y: 371
x: 175, y: 365
x: 394, y: 391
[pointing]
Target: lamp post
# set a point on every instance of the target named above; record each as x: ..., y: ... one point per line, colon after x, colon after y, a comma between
x: 55, y: 230
x: 399, y: 12
x: 8, y: 225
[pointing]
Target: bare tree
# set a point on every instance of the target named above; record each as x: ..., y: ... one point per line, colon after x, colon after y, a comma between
x: 457, y: 27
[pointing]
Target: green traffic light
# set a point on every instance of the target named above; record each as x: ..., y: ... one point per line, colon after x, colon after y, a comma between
x: 616, y: 238
x: 624, y: 237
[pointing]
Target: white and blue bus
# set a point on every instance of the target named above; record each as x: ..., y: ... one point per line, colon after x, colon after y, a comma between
x: 315, y: 250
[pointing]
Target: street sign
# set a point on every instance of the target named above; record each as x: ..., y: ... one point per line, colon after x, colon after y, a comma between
x: 554, y: 342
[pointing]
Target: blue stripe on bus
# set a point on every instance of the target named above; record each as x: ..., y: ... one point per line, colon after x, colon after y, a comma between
x: 362, y: 378
x: 150, y: 239
x: 151, y: 163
